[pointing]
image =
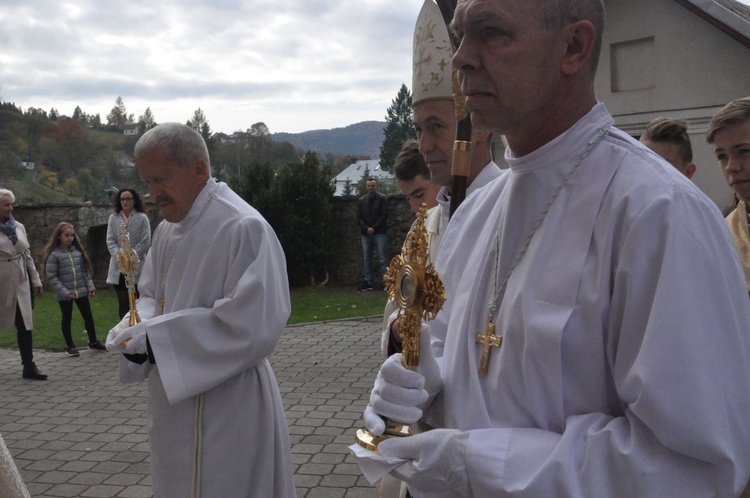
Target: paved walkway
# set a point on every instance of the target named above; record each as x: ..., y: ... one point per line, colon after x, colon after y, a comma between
x: 82, y: 433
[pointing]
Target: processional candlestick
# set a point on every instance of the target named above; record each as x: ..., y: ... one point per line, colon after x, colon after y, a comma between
x: 129, y: 263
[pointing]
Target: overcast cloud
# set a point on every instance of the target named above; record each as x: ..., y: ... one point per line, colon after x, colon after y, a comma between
x: 294, y: 64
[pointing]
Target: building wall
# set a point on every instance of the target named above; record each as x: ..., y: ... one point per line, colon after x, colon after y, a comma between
x: 660, y: 59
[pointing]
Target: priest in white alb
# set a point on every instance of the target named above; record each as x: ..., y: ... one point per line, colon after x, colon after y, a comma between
x: 595, y: 340
x: 214, y: 302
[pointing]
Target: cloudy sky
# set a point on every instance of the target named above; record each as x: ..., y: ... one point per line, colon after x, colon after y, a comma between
x: 295, y: 65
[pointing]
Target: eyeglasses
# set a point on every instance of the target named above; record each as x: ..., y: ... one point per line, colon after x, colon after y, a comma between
x: 123, y: 199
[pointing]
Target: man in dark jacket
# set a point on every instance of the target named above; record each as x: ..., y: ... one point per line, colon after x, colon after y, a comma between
x: 372, y: 215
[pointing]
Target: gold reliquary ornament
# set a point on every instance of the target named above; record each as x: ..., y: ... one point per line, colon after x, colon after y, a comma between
x: 129, y: 263
x: 413, y: 284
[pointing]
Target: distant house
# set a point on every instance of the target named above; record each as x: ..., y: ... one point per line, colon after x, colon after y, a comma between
x: 130, y: 129
x: 226, y: 139
x: 28, y: 165
x: 354, y: 173
x: 682, y: 59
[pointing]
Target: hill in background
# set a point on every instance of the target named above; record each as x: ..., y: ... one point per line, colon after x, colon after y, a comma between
x: 358, y: 139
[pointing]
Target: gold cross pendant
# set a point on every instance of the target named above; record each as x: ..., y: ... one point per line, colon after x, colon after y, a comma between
x: 488, y: 340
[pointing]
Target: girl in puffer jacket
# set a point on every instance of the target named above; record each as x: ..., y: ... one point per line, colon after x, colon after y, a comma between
x: 69, y: 275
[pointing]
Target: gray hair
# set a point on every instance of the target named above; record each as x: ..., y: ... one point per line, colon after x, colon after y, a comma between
x: 558, y: 13
x: 180, y: 143
x: 734, y: 113
x: 6, y: 194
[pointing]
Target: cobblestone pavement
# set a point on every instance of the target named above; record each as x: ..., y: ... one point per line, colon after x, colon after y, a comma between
x: 82, y: 433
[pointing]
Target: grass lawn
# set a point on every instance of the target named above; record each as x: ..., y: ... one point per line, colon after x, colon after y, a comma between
x: 309, y: 304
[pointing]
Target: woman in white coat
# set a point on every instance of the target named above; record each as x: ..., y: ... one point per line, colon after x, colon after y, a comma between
x: 128, y: 213
x: 17, y: 273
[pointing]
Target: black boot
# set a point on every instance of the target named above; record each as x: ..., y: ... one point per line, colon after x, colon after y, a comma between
x: 25, y: 346
x: 31, y: 372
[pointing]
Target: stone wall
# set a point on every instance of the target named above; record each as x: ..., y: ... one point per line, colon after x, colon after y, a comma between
x: 91, y: 223
x: 349, y: 267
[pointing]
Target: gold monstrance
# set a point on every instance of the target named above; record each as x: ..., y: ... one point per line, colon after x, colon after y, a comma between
x: 417, y: 289
x: 129, y: 263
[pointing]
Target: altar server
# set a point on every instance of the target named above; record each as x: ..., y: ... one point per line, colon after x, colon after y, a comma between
x: 214, y: 302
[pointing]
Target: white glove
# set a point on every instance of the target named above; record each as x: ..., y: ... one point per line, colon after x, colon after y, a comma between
x: 114, y: 332
x: 436, y: 460
x: 122, y: 332
x: 402, y: 394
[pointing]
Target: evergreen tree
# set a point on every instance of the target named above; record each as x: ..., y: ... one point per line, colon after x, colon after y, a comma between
x: 255, y: 185
x: 297, y: 202
x: 348, y: 190
x: 361, y: 186
x: 146, y: 121
x: 205, y: 132
x: 301, y: 217
x: 399, y: 128
x: 79, y: 115
x: 199, y: 123
x: 118, y: 116
x: 198, y: 120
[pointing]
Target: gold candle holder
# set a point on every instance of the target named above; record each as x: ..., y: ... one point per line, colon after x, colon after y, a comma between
x: 129, y: 263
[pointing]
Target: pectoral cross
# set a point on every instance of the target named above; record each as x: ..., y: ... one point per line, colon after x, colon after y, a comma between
x: 488, y: 340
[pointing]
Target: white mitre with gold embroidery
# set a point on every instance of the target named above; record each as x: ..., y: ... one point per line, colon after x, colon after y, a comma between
x: 432, y: 73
